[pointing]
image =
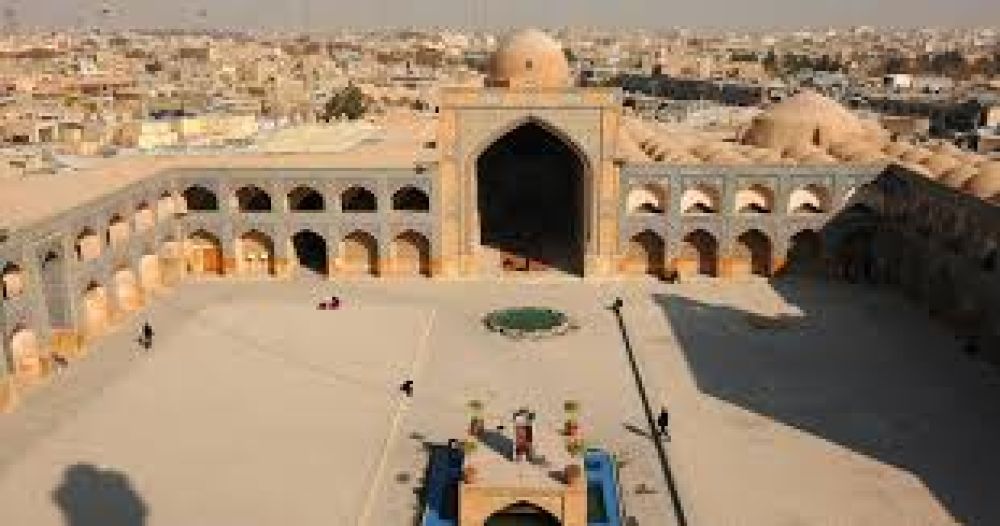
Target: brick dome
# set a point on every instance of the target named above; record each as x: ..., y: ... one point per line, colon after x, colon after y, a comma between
x: 810, y: 119
x: 529, y: 58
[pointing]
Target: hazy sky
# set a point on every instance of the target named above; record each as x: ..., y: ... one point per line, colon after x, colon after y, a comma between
x: 318, y: 15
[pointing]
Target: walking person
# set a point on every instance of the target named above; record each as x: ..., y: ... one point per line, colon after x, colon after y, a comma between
x: 407, y: 388
x: 146, y: 336
x: 662, y: 422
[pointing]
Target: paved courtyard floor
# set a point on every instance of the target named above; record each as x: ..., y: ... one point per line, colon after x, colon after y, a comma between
x: 254, y: 408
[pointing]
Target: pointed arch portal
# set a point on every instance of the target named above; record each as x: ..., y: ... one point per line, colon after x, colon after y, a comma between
x: 531, y: 199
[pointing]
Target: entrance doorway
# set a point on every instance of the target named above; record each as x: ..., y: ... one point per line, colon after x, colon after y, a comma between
x: 530, y: 200
x: 311, y: 252
x: 522, y: 514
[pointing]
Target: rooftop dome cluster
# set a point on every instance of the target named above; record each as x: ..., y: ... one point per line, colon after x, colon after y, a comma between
x: 810, y: 129
x: 810, y: 119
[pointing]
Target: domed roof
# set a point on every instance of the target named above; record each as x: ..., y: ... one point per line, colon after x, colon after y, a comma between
x: 808, y: 118
x: 896, y: 149
x: 529, y: 58
x: 940, y: 163
x: 818, y: 158
x: 800, y: 150
x: 986, y: 183
x: 867, y: 155
x: 764, y: 155
x: 915, y: 155
x: 958, y: 177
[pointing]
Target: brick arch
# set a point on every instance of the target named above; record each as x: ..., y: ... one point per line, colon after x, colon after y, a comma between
x: 359, y: 253
x: 809, y: 199
x: 203, y: 253
x: 502, y: 129
x: 646, y: 198
x: 255, y: 254
x: 87, y: 244
x: 144, y: 217
x: 150, y: 272
x: 411, y: 254
x: 754, y: 199
x: 166, y: 205
x: 118, y: 231
x: 198, y: 198
x: 805, y: 253
x: 700, y: 198
x: 358, y: 198
x: 127, y: 289
x: 304, y: 198
x: 25, y: 353
x: 410, y: 198
x: 698, y: 254
x: 96, y: 310
x: 252, y: 198
x: 474, y: 144
x: 645, y: 253
x: 753, y: 252
x: 12, y: 280
x: 312, y: 251
x: 550, y: 508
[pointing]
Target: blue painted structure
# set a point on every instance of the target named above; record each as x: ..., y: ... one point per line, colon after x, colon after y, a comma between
x: 604, y: 506
x: 445, y: 471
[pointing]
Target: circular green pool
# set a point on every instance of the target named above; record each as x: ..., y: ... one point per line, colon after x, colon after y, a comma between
x: 527, y: 321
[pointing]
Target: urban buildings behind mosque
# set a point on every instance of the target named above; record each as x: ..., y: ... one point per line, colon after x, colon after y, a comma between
x: 525, y: 175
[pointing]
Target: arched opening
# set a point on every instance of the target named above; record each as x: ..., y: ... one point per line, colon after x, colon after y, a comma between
x: 411, y: 254
x: 25, y: 354
x: 540, y: 175
x: 645, y: 254
x: 805, y: 254
x: 118, y: 231
x: 756, y: 199
x: 701, y: 199
x: 854, y: 255
x: 12, y: 281
x: 255, y: 254
x: 53, y: 276
x: 127, y: 289
x: 753, y: 254
x: 96, y: 310
x: 87, y: 245
x: 358, y: 199
x: 811, y: 199
x: 200, y: 199
x: 150, y: 275
x: 305, y: 199
x: 203, y: 254
x: 165, y: 206
x: 144, y: 217
x: 359, y: 254
x: 522, y: 514
x: 171, y: 262
x: 699, y: 255
x: 853, y: 243
x: 411, y: 199
x: 252, y: 198
x: 646, y: 199
x: 311, y: 251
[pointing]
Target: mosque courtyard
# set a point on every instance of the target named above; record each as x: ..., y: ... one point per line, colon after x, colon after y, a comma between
x: 791, y: 403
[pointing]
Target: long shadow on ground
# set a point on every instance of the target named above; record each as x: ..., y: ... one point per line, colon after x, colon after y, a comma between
x: 92, y: 496
x: 919, y: 405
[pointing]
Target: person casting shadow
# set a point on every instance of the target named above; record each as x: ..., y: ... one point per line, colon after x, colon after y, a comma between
x: 89, y: 496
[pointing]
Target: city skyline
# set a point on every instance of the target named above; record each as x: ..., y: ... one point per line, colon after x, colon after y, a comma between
x: 313, y: 15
